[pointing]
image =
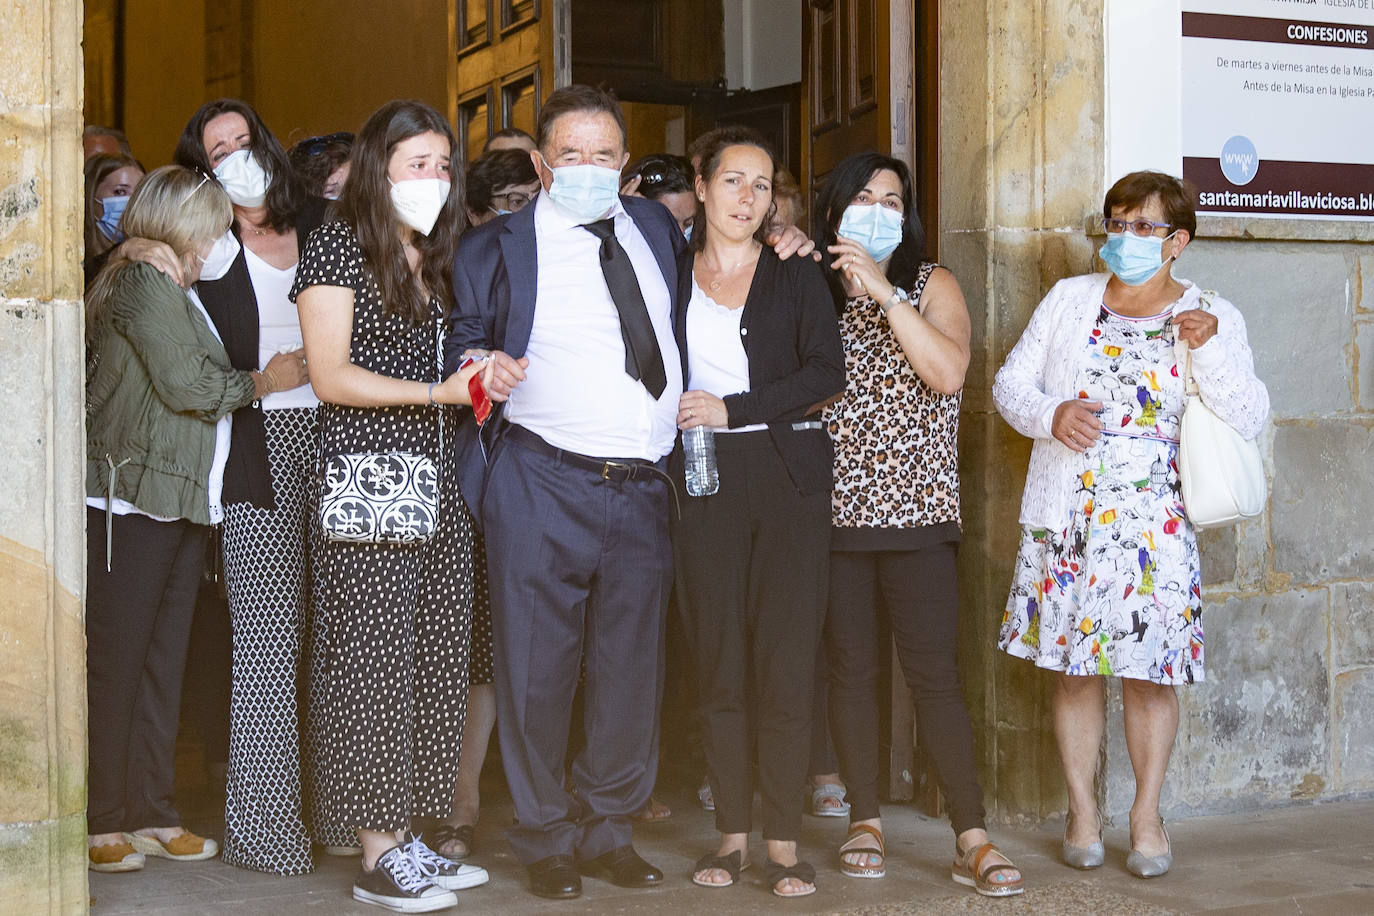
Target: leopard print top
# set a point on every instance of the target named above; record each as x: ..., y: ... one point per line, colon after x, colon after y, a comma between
x: 896, y: 440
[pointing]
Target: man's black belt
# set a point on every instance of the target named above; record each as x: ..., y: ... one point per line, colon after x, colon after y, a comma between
x: 616, y: 470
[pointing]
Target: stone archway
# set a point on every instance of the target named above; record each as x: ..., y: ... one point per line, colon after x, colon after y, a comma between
x: 42, y: 530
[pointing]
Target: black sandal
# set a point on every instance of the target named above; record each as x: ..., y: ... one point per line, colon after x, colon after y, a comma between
x: 732, y: 864
x: 444, y: 834
x: 775, y: 873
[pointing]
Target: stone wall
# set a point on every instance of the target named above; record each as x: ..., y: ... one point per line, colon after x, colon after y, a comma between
x: 1285, y: 713
x: 42, y: 557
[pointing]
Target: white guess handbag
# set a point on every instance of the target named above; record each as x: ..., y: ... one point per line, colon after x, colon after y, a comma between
x: 1220, y: 472
x: 380, y: 498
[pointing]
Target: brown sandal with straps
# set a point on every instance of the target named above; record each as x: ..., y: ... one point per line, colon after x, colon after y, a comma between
x: 968, y: 871
x: 865, y: 840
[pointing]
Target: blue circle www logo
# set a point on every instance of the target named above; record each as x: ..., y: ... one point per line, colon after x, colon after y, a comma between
x: 1239, y: 160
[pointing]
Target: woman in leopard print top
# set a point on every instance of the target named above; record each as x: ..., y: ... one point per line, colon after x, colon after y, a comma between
x: 895, y: 530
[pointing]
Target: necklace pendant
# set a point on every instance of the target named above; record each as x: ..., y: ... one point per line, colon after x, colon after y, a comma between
x: 715, y: 285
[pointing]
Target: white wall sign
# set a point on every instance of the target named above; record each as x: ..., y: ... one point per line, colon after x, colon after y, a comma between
x: 1275, y: 102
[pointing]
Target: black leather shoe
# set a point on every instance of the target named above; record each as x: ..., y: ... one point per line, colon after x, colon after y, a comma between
x: 555, y: 878
x: 622, y: 867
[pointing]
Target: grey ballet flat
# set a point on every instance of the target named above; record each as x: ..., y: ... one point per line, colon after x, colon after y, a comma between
x: 1143, y: 866
x: 1090, y: 856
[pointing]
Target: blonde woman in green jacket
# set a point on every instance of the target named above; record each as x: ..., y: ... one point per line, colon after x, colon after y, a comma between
x: 159, y: 392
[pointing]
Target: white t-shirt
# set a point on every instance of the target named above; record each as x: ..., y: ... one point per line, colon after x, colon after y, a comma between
x: 279, y: 327
x: 716, y: 361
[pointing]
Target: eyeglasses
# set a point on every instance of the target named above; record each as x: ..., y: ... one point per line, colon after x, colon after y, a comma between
x: 313, y: 146
x: 515, y: 200
x: 1141, y: 227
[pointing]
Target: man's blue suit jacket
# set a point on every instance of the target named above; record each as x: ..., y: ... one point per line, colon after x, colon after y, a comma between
x: 494, y: 273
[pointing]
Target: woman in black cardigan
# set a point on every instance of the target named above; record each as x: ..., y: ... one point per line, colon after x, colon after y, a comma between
x: 761, y: 348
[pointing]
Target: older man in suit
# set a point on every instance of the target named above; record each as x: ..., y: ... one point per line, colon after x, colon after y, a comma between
x: 571, y: 299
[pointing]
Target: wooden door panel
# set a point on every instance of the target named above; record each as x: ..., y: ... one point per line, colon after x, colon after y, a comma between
x: 823, y: 53
x: 502, y: 53
x: 861, y: 71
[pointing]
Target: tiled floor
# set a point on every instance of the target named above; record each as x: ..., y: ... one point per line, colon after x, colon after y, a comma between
x: 1308, y: 859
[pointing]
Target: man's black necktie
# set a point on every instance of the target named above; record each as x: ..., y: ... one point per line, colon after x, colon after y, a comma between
x: 643, y: 360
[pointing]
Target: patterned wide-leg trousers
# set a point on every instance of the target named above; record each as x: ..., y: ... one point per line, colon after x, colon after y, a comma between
x: 267, y: 574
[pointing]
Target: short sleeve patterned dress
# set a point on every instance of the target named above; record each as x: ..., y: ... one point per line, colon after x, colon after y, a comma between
x: 392, y: 622
x: 1117, y: 590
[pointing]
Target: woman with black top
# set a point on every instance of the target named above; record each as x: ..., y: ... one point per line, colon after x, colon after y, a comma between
x: 267, y: 491
x: 373, y: 289
x: 896, y: 506
x: 760, y: 348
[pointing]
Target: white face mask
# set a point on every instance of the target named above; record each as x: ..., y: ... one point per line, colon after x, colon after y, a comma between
x: 221, y: 257
x: 243, y: 179
x: 419, y: 201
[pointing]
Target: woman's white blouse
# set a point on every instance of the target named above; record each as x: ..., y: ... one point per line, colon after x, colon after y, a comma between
x: 716, y: 361
x: 1039, y: 373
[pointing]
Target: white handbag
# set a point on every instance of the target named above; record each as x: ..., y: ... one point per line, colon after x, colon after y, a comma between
x: 1220, y: 472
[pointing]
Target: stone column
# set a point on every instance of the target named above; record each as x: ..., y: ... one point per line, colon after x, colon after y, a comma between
x: 42, y: 537
x: 1021, y: 109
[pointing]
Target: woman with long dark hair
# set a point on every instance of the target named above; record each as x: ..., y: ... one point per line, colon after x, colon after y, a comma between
x: 268, y: 816
x: 895, y: 529
x: 372, y: 291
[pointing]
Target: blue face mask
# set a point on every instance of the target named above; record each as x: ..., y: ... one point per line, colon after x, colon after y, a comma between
x: 585, y: 192
x: 499, y: 212
x: 687, y: 233
x: 109, y: 221
x: 877, y: 228
x: 1133, y: 258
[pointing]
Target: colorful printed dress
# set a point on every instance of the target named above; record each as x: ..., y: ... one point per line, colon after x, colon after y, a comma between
x: 1117, y: 590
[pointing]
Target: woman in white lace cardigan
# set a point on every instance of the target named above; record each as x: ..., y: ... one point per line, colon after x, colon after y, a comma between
x: 1107, y: 579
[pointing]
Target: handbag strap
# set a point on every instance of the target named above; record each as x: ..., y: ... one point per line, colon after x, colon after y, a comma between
x: 1190, y: 389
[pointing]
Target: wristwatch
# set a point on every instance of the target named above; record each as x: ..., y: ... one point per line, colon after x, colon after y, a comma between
x: 898, y: 295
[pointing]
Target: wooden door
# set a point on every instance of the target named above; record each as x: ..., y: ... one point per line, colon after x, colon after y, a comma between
x: 507, y: 56
x: 868, y: 82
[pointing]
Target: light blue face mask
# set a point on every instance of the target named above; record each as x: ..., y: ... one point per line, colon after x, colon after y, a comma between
x: 877, y: 228
x: 109, y: 221
x: 585, y: 192
x: 1133, y: 258
x: 499, y: 212
x: 687, y: 233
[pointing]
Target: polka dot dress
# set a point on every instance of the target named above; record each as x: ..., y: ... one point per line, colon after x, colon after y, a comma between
x: 392, y: 622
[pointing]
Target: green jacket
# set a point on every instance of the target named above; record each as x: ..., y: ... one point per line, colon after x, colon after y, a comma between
x: 160, y: 382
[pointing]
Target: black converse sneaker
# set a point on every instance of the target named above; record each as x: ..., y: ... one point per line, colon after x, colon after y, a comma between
x: 399, y: 882
x: 442, y: 870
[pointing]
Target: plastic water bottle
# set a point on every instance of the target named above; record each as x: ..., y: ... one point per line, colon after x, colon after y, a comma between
x: 699, y: 446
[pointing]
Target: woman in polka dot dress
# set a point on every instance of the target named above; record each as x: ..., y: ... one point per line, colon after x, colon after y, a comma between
x: 395, y: 619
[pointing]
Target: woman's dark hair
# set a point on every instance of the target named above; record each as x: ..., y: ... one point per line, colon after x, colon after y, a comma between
x: 1175, y: 196
x: 285, y: 196
x: 577, y: 97
x: 365, y: 204
x: 660, y: 174
x: 504, y: 133
x: 316, y: 158
x: 712, y: 145
x: 843, y: 184
x: 497, y: 169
